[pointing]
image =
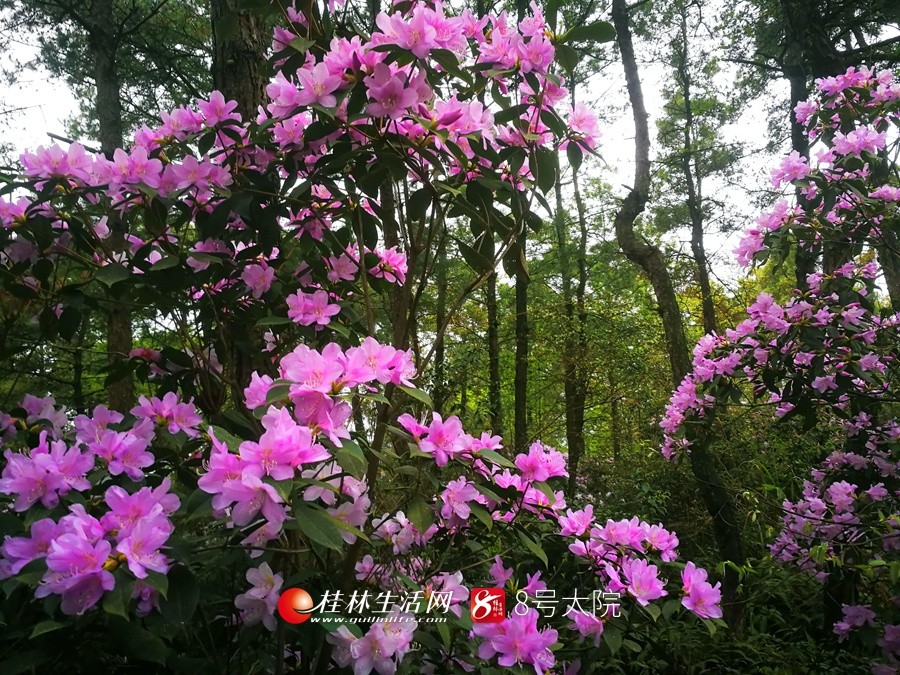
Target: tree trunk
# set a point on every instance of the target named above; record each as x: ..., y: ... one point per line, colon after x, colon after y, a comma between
x: 582, y: 371
x: 715, y: 497
x: 520, y: 383
x: 693, y: 182
x: 102, y: 43
x: 439, y: 385
x: 241, y: 72
x: 239, y: 69
x: 574, y: 407
x: 493, y: 340
x: 889, y: 257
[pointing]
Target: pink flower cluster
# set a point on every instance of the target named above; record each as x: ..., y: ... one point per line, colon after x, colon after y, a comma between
x: 517, y: 641
x: 381, y: 649
x: 81, y: 550
x: 258, y: 605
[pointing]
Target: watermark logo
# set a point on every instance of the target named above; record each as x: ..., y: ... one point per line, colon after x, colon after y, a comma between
x: 295, y: 605
x: 487, y: 605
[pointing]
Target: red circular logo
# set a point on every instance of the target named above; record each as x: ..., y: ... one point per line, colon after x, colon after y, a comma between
x: 295, y: 605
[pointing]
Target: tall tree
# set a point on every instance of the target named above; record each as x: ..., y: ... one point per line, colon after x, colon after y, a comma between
x: 649, y: 257
x: 801, y: 40
x: 689, y: 133
x: 113, y: 52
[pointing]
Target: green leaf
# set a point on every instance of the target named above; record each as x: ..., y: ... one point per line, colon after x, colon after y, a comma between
x: 599, y: 31
x: 317, y: 525
x: 184, y: 594
x: 347, y: 527
x: 351, y: 458
x: 568, y: 57
x: 45, y: 627
x: 481, y: 513
x: 69, y: 321
x: 575, y: 155
x: 511, y: 113
x: 543, y: 166
x: 166, y: 263
x: 111, y: 274
x: 277, y: 392
x: 474, y: 259
x: 417, y: 394
x: 300, y: 44
x: 613, y: 638
x: 546, y: 489
x: 420, y: 514
x: 533, y: 546
x: 116, y: 601
x: 273, y: 321
x: 654, y: 611
x: 158, y: 581
x: 417, y: 204
x: 25, y: 662
x: 232, y: 442
x: 496, y: 458
x: 138, y: 643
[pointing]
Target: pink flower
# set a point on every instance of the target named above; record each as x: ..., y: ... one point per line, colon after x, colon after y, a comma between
x: 252, y: 496
x: 391, y: 266
x: 588, y: 625
x: 318, y: 85
x: 793, y: 167
x: 370, y: 361
x: 584, y: 125
x: 256, y: 392
x: 541, y: 463
x: 576, y: 523
x: 284, y: 446
x: 855, y: 616
x: 445, y: 440
x: 258, y: 278
x: 22, y: 550
x: 170, y: 412
x: 75, y: 571
x: 824, y: 383
x: 499, y: 573
x: 311, y: 309
x: 517, y: 640
x: 456, y: 499
x: 416, y: 35
x: 141, y: 547
x: 703, y: 600
x: 217, y: 110
x: 30, y: 481
x: 390, y: 95
x: 260, y: 602
x: 643, y: 582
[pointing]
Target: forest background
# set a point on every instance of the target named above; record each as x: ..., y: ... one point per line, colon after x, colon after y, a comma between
x: 580, y: 336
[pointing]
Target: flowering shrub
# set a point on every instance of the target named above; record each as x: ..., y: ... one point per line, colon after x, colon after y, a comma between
x: 264, y: 445
x: 830, y: 354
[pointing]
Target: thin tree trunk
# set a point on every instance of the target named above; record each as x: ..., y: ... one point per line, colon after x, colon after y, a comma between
x: 570, y: 355
x: 493, y: 340
x: 520, y: 383
x: 715, y: 497
x: 439, y: 385
x: 693, y: 182
x: 577, y: 446
x: 241, y: 72
x: 889, y: 257
x: 102, y: 43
